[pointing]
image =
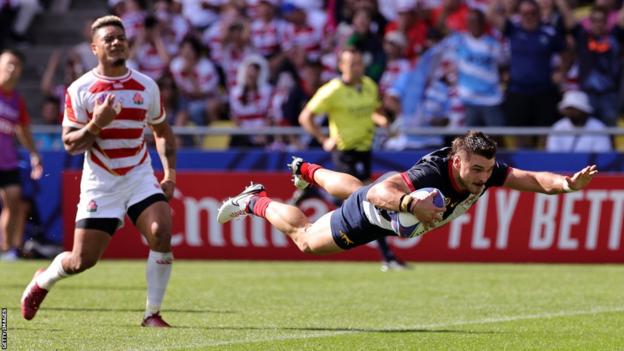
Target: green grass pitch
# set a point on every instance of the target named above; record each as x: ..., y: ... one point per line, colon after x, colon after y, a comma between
x: 326, y: 306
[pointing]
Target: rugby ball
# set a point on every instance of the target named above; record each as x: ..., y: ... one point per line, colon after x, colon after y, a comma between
x: 405, y: 223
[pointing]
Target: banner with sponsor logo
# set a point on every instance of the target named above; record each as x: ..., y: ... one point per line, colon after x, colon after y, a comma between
x: 503, y: 226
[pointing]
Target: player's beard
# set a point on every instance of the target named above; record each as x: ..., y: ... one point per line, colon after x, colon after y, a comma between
x: 119, y: 62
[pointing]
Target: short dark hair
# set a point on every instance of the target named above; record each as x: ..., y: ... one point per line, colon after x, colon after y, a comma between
x: 20, y: 56
x: 475, y: 142
x: 600, y: 9
x: 353, y: 49
x: 532, y: 2
x: 106, y: 21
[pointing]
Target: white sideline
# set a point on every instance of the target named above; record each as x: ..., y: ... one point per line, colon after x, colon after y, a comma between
x: 323, y: 334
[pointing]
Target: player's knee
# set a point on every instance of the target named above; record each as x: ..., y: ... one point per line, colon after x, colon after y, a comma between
x: 160, y: 233
x: 303, y: 243
x: 305, y: 247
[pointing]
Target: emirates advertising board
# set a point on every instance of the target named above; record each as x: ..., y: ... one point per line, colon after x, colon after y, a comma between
x: 503, y: 226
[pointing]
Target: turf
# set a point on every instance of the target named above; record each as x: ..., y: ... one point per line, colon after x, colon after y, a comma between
x: 326, y: 306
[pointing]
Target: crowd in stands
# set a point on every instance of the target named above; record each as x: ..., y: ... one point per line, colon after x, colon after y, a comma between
x: 446, y: 63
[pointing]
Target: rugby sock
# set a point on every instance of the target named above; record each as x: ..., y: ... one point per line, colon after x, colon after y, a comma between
x: 157, y: 273
x: 307, y: 172
x: 53, y: 273
x: 258, y: 205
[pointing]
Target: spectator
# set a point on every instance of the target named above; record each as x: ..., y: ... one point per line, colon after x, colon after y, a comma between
x: 550, y: 14
x: 394, y: 49
x: 14, y: 121
x: 302, y: 40
x: 72, y: 70
x: 198, y: 82
x: 250, y: 101
x: 133, y: 17
x: 414, y: 29
x: 478, y: 56
x: 172, y: 23
x: 450, y: 16
x: 369, y: 44
x: 531, y: 94
x: 378, y: 21
x: 201, y: 13
x: 235, y: 48
x: 421, y: 98
x: 51, y: 115
x: 27, y: 10
x: 267, y: 31
x: 174, y: 108
x: 598, y: 54
x: 214, y: 36
x: 268, y: 34
x: 577, y: 111
x: 613, y: 13
x: 309, y: 81
x: 82, y: 53
x: 148, y: 51
x: 8, y: 11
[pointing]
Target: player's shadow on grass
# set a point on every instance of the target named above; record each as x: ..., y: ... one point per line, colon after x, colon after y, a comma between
x: 388, y: 330
x: 91, y: 309
x: 78, y: 287
x: 354, y: 330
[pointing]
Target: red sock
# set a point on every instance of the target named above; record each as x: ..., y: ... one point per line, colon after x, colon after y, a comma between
x: 307, y: 172
x: 259, y: 204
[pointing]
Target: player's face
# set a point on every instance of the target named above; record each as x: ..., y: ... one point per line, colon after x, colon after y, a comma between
x: 351, y: 66
x: 110, y: 45
x: 10, y: 68
x: 473, y: 171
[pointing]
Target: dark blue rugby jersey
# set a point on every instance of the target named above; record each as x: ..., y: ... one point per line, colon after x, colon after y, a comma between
x: 434, y: 170
x: 361, y: 222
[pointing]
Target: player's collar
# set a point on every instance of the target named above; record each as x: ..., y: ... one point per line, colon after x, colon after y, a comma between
x: 124, y: 77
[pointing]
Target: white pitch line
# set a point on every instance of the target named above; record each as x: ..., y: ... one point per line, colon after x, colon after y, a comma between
x: 325, y: 334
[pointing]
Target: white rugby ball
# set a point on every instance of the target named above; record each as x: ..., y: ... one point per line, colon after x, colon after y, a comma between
x: 405, y: 223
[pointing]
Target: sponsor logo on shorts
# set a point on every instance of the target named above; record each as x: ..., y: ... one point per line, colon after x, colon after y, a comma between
x: 92, y: 206
x: 345, y: 238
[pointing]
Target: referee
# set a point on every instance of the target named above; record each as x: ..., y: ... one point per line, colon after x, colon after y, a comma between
x: 352, y: 105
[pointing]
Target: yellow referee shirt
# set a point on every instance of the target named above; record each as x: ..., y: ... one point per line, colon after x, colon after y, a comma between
x: 350, y: 110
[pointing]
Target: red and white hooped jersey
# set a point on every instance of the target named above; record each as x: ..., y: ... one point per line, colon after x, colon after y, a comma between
x: 120, y: 146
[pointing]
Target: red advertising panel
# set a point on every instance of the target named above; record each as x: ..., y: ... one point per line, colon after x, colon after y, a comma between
x: 503, y: 226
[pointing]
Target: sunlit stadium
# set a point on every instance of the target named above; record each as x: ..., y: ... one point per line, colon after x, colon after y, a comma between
x: 311, y: 175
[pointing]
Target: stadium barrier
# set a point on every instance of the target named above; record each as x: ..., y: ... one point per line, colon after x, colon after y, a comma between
x: 504, y: 226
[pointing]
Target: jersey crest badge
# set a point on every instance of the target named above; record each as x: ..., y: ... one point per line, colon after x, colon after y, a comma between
x: 137, y: 99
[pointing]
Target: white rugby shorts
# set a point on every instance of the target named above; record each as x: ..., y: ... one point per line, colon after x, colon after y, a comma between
x: 103, y: 195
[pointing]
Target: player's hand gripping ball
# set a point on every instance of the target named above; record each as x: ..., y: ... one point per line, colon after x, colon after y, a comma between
x: 405, y: 224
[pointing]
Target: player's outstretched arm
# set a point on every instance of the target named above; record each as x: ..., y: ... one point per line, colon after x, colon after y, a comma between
x: 549, y: 183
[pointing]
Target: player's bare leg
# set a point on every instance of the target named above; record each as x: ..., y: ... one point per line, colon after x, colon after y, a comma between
x: 89, y: 245
x: 9, y: 218
x: 309, y: 237
x: 337, y: 184
x: 155, y: 225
